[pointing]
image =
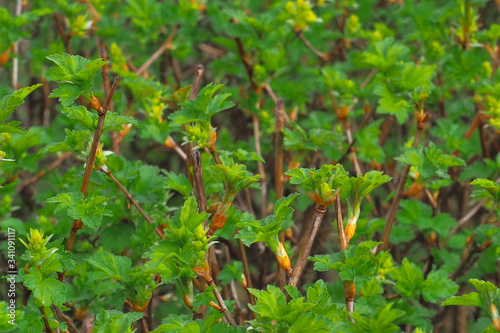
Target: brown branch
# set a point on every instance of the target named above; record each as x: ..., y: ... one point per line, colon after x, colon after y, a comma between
x: 278, y: 174
x: 42, y: 173
x: 77, y: 224
x: 170, y: 143
x: 158, y: 52
x: 319, y: 212
x: 260, y: 165
x: 198, y: 76
x: 246, y: 63
x: 64, y: 36
x: 344, y: 244
x: 323, y: 57
x: 399, y: 194
x: 199, y: 186
x: 131, y: 199
x: 248, y: 277
x: 220, y: 300
x: 62, y: 317
x: 45, y: 321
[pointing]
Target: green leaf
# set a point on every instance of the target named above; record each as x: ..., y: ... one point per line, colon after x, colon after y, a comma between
x: 178, y: 182
x: 9, y: 103
x: 111, y: 266
x: 90, y: 210
x: 80, y: 113
x: 67, y: 93
x: 115, y: 321
x: 472, y: 299
x: 231, y: 272
x: 74, y: 69
x: 47, y: 291
x: 383, y: 321
x: 437, y: 286
x: 389, y: 103
x: 409, y: 279
x: 115, y: 121
x: 267, y: 229
x: 383, y: 55
x: 489, y: 189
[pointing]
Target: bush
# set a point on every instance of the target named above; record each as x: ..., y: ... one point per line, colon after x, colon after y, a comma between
x: 274, y: 166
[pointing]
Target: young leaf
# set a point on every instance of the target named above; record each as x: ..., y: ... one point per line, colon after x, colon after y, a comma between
x: 47, y: 291
x: 8, y: 104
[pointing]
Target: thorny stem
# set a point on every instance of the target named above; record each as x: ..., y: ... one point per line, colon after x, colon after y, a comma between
x: 344, y: 244
x: 278, y: 175
x: 45, y: 321
x: 62, y: 317
x: 158, y: 52
x: 77, y: 224
x: 132, y: 200
x: 319, y: 212
x: 399, y: 194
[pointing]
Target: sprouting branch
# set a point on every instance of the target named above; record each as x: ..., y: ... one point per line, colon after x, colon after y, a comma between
x: 77, y: 224
x: 399, y: 194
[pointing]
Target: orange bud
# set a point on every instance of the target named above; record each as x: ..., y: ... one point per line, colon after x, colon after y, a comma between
x: 283, y: 259
x: 81, y: 313
x: 343, y: 112
x: 215, y: 306
x: 244, y: 281
x: 289, y: 234
x: 188, y: 299
x: 350, y: 228
x: 26, y: 268
x: 213, y: 138
x: 204, y: 273
x: 351, y: 289
x: 4, y: 57
x: 170, y: 143
x: 140, y: 308
x: 366, y: 108
x: 414, y: 189
x: 495, y: 317
x: 94, y: 104
x: 218, y: 221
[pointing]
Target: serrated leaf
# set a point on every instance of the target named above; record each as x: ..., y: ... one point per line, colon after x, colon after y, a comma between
x: 438, y: 285
x: 472, y: 299
x: 47, y: 291
x: 67, y: 93
x: 409, y: 279
x: 75, y: 69
x: 12, y: 101
x: 111, y: 266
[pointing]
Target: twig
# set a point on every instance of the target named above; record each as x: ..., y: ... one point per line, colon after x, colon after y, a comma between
x: 319, y: 212
x: 278, y: 174
x: 344, y: 244
x: 45, y: 321
x: 158, y: 52
x: 64, y: 36
x: 347, y: 151
x: 399, y: 194
x: 199, y: 186
x: 132, y: 200
x: 246, y: 63
x: 260, y: 165
x: 198, y: 76
x: 42, y: 173
x: 15, y: 49
x: 322, y: 56
x: 170, y: 143
x: 270, y: 92
x: 77, y: 224
x: 220, y: 300
x: 62, y: 317
x: 248, y: 277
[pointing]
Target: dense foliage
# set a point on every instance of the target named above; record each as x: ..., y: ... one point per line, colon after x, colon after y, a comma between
x: 233, y: 166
